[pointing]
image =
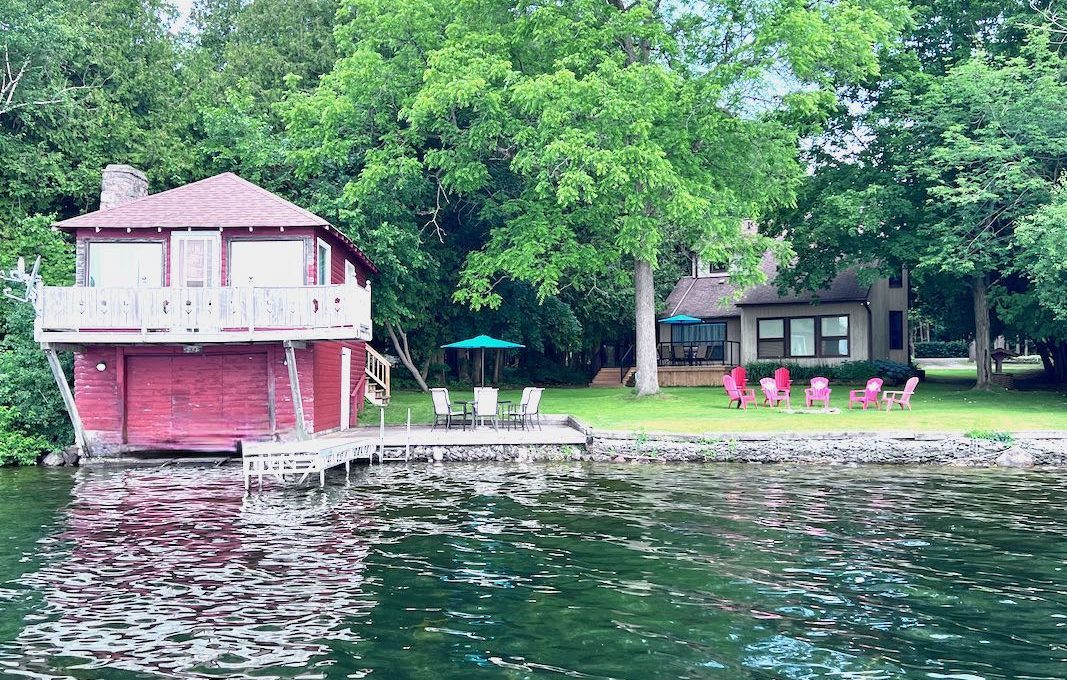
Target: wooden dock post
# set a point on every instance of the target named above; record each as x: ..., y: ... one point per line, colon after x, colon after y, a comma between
x: 80, y: 439
x: 294, y: 385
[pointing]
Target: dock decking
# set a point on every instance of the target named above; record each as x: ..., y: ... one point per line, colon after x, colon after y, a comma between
x: 318, y: 454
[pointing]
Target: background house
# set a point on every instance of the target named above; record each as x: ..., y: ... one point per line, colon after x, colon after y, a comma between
x: 210, y: 313
x: 846, y: 321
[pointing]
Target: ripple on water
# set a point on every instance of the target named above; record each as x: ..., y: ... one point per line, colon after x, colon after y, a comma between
x: 549, y: 570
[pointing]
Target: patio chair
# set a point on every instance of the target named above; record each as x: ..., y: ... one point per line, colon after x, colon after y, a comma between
x: 782, y: 380
x: 819, y: 391
x: 529, y: 408
x: 664, y: 353
x: 487, y: 406
x: 901, y: 398
x: 443, y: 413
x: 868, y: 396
x: 739, y: 376
x: 772, y: 396
x: 678, y: 357
x: 743, y: 397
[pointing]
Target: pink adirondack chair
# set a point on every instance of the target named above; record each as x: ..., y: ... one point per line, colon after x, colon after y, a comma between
x: 868, y: 396
x: 782, y: 379
x: 901, y: 398
x: 818, y: 392
x: 743, y: 397
x: 772, y: 395
x: 738, y: 374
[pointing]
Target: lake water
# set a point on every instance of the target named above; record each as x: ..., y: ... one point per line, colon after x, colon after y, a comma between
x: 536, y: 571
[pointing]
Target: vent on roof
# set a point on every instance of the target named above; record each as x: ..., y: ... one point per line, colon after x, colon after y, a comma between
x: 121, y: 184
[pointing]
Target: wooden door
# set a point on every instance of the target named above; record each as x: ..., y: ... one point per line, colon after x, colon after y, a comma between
x: 196, y: 399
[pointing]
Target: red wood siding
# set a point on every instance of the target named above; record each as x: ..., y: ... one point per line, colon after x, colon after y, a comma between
x: 327, y: 388
x: 196, y: 398
x: 165, y: 398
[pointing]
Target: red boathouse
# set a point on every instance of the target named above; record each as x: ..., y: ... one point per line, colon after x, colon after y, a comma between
x: 209, y: 314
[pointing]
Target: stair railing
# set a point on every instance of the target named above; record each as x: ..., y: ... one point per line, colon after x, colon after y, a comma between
x: 625, y: 363
x: 379, y: 370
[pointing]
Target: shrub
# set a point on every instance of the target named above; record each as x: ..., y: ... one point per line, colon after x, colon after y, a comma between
x: 853, y: 372
x: 942, y: 349
x: 992, y: 435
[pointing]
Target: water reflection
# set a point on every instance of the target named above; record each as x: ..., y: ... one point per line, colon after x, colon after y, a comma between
x: 469, y: 571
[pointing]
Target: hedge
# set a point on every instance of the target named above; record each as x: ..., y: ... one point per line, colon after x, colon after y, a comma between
x: 942, y: 349
x: 853, y: 372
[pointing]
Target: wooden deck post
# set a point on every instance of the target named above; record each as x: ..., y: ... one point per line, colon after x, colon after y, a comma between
x: 80, y: 439
x: 294, y: 384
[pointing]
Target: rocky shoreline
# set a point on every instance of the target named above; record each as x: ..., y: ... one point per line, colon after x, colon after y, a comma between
x: 847, y: 450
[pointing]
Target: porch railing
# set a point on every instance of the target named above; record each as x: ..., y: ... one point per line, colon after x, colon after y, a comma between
x: 702, y: 353
x: 187, y: 314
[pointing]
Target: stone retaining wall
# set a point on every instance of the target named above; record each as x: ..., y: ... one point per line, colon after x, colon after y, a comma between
x: 866, y: 449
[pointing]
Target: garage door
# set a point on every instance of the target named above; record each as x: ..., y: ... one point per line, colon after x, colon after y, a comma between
x: 196, y: 399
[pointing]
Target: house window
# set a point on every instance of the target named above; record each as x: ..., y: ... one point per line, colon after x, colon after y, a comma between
x: 322, y: 269
x: 127, y: 264
x: 268, y: 263
x: 350, y: 273
x: 896, y: 280
x: 808, y: 336
x: 896, y: 330
x: 770, y: 338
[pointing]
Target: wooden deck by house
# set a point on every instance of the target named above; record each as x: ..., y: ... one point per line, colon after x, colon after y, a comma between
x: 692, y: 376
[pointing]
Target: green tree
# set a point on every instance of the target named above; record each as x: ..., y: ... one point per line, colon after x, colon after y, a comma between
x: 588, y: 137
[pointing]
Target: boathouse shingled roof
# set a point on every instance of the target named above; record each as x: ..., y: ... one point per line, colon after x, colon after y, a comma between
x: 716, y: 297
x: 223, y: 201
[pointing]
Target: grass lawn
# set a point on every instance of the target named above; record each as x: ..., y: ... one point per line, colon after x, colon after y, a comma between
x: 943, y: 402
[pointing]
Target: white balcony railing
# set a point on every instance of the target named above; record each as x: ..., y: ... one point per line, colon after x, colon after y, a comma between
x: 202, y: 314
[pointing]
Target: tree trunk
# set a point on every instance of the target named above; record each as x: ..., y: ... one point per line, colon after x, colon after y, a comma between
x: 645, y: 316
x: 982, y: 358
x: 404, y: 352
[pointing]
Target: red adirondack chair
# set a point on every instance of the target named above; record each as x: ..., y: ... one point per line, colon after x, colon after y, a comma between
x: 868, y: 396
x: 782, y: 380
x: 901, y: 398
x: 743, y: 397
x: 738, y: 374
x: 773, y: 396
x: 819, y: 391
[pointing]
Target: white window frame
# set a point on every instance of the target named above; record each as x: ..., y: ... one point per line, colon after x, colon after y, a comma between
x: 230, y: 259
x: 89, y: 244
x: 321, y: 280
x: 351, y: 276
x: 215, y: 275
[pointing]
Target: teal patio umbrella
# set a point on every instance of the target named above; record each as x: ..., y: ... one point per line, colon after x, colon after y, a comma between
x: 680, y: 320
x: 482, y: 343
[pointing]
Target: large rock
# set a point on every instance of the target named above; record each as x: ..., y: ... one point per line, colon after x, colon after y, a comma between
x: 1015, y: 457
x: 54, y: 459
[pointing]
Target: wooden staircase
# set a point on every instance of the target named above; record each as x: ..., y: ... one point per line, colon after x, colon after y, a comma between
x: 609, y: 377
x: 377, y: 390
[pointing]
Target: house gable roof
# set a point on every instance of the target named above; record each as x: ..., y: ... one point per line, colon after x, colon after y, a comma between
x: 219, y: 202
x: 716, y: 297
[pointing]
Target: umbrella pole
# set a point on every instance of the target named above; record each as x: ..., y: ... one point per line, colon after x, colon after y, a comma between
x: 481, y: 365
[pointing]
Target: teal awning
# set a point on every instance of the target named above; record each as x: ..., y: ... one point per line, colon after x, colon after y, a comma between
x: 482, y: 342
x: 680, y: 319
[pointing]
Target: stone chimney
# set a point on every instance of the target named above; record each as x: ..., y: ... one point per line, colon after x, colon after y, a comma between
x: 121, y: 184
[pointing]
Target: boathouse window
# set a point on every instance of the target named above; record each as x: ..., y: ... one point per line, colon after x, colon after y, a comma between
x: 268, y: 263
x: 322, y: 271
x: 125, y: 265
x: 808, y: 336
x: 194, y: 259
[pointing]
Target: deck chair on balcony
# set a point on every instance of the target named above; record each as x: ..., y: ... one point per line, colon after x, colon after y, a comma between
x: 664, y: 353
x: 487, y: 406
x: 678, y: 357
x: 443, y: 412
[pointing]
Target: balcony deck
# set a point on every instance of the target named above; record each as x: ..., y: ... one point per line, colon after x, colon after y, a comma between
x: 171, y: 315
